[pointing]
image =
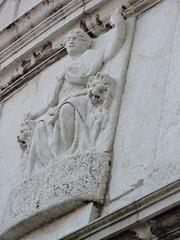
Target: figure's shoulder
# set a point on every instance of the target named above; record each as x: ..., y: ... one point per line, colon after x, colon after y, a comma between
x: 94, y: 52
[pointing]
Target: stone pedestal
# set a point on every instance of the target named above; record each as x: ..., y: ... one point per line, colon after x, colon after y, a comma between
x: 56, y: 191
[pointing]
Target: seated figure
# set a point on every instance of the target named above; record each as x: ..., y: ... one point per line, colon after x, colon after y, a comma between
x: 73, y: 120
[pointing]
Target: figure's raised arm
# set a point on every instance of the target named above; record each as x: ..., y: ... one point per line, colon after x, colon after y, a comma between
x: 118, y: 34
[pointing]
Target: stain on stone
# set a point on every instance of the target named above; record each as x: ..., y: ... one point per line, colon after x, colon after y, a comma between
x: 46, y: 1
x: 55, y: 9
x: 123, y: 7
x: 26, y: 63
x: 98, y: 20
x: 38, y: 204
x: 108, y: 27
x: 100, y: 24
x: 83, y: 26
x: 47, y: 47
x: 36, y: 54
x: 11, y: 26
x: 128, y: 235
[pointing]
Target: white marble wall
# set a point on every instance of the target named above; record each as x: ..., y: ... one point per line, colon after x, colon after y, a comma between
x: 146, y: 149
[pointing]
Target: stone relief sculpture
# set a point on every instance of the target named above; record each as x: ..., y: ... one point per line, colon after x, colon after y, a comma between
x: 76, y: 119
x: 68, y: 144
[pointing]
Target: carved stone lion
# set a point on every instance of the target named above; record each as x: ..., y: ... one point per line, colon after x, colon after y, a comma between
x: 101, y: 89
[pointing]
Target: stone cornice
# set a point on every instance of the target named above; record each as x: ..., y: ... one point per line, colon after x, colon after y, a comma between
x: 21, y: 32
x: 20, y: 38
x: 127, y: 217
x: 137, y: 7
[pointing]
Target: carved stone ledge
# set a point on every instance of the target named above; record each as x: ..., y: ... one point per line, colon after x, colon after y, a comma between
x: 167, y: 225
x: 54, y: 192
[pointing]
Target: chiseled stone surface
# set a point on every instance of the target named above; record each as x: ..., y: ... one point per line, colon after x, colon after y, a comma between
x: 54, y: 192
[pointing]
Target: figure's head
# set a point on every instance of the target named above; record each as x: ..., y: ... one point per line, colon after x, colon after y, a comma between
x: 101, y: 89
x: 77, y: 42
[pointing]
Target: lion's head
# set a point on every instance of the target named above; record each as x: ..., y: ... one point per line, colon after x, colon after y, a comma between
x: 101, y: 89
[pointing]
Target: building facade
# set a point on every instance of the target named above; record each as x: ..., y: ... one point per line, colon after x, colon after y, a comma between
x: 89, y: 111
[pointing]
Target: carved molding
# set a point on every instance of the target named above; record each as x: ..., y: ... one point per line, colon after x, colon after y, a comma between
x: 127, y: 217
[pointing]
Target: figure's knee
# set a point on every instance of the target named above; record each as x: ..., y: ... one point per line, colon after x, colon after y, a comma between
x: 66, y: 111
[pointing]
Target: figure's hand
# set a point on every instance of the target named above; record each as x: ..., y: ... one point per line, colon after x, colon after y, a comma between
x: 51, y: 115
x: 116, y: 18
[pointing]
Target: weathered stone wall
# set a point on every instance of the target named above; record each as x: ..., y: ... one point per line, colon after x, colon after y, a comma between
x: 146, y: 148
